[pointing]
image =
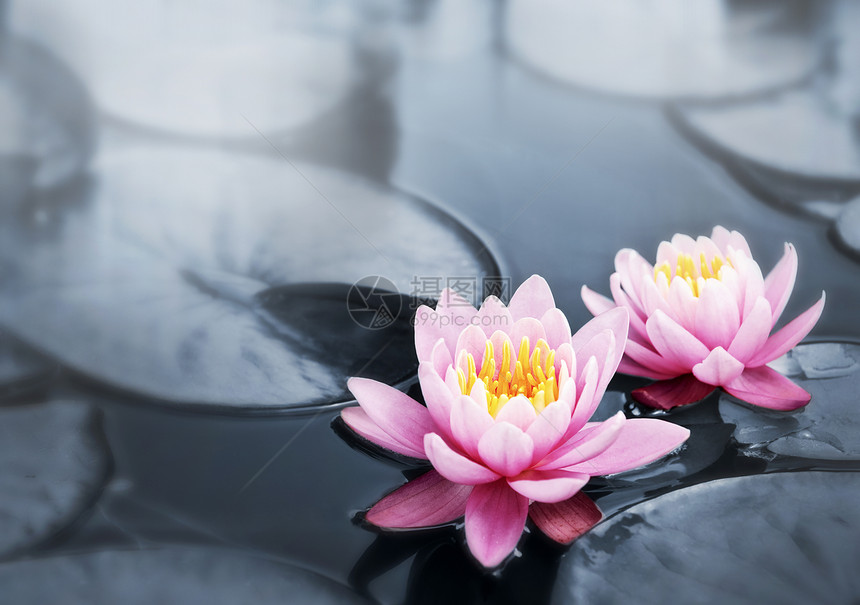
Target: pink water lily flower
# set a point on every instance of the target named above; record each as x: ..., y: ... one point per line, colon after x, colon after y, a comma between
x: 508, y: 393
x: 702, y: 317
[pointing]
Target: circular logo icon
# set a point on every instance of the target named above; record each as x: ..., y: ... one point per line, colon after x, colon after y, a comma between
x: 374, y: 302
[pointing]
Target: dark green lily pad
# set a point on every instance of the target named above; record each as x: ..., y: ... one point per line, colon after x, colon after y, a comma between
x: 782, y: 538
x: 828, y: 428
x: 182, y: 275
x: 53, y: 462
x: 181, y: 576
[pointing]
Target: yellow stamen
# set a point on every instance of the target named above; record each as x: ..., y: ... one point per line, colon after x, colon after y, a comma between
x: 533, y: 375
x: 692, y: 272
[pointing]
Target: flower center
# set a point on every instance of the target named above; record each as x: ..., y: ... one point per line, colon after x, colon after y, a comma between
x: 691, y: 271
x: 532, y: 374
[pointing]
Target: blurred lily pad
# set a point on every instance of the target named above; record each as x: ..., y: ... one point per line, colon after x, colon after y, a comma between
x: 183, y: 275
x: 21, y: 369
x: 781, y: 538
x: 47, y: 120
x: 207, y: 73
x: 53, y: 462
x: 665, y: 50
x: 828, y: 428
x: 794, y: 133
x: 181, y: 576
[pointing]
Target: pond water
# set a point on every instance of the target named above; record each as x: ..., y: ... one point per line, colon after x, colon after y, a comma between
x: 178, y: 315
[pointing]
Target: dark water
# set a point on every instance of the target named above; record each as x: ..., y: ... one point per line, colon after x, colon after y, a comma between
x: 194, y: 288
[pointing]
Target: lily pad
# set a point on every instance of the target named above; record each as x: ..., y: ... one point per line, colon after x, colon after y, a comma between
x: 183, y: 275
x: 172, y: 575
x: 828, y: 428
x: 847, y: 226
x: 793, y: 133
x: 781, y: 538
x: 703, y: 50
x: 220, y: 72
x: 21, y: 368
x: 53, y: 462
x: 47, y: 121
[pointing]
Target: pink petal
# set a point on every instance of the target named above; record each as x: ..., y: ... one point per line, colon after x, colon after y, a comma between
x: 720, y: 236
x: 394, y: 412
x: 630, y: 266
x: 633, y: 368
x: 437, y: 396
x: 527, y: 327
x: 667, y: 394
x: 751, y: 281
x: 441, y: 357
x: 780, y: 282
x: 667, y: 253
x: 642, y: 440
x: 753, y: 332
x: 425, y: 501
x: 585, y: 445
x: 452, y: 382
x: 652, y: 299
x: 719, y: 368
x: 478, y: 394
x: 452, y: 314
x: 683, y: 303
x: 548, y: 486
x: 493, y: 315
x: 724, y: 239
x: 518, y: 411
x: 455, y: 306
x: 549, y: 428
x: 427, y: 332
x: 685, y: 244
x: 358, y: 420
x: 556, y: 327
x: 495, y: 519
x: 506, y: 449
x: 585, y: 402
x: 565, y: 521
x: 637, y: 315
x: 645, y: 356
x: 472, y: 341
x: 532, y: 299
x: 589, y: 340
x: 499, y: 339
x: 469, y: 421
x: 791, y: 334
x: 706, y: 245
x: 674, y: 342
x: 768, y: 388
x: 453, y: 466
x: 565, y: 355
x: 717, y: 316
x: 594, y: 302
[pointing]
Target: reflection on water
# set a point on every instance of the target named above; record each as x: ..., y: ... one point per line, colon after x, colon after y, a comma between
x: 203, y: 259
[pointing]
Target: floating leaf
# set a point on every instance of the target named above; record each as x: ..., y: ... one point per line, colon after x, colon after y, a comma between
x: 828, y: 428
x: 53, y: 462
x: 184, y: 275
x: 167, y: 576
x: 782, y: 538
